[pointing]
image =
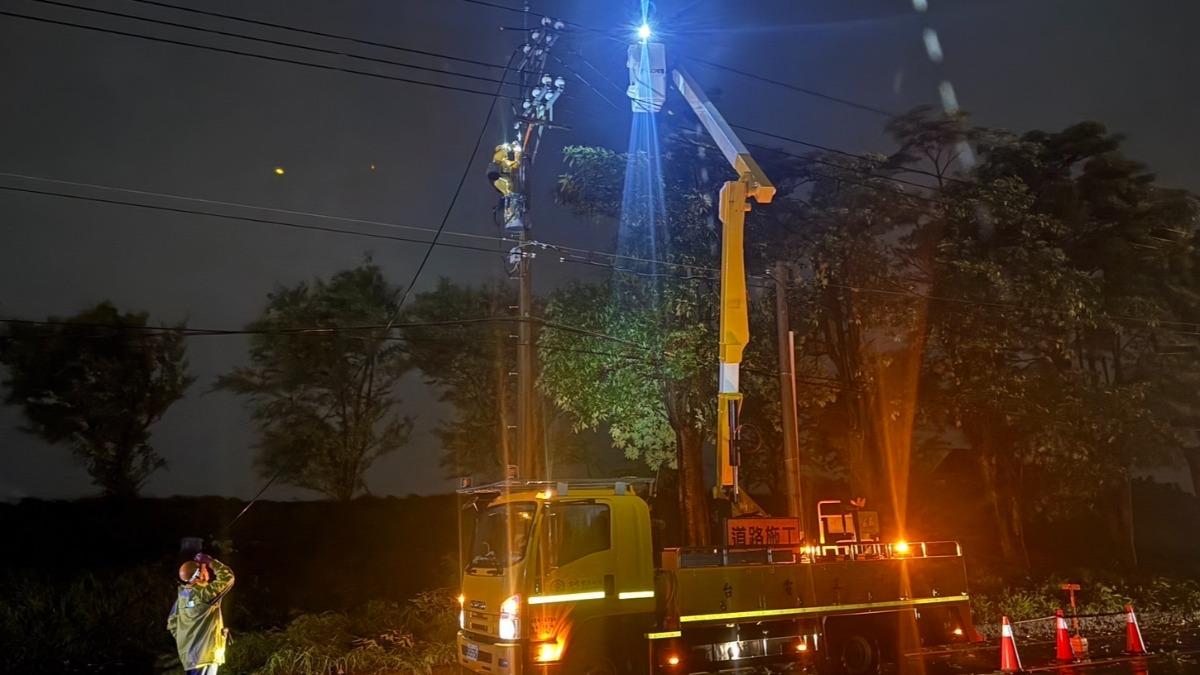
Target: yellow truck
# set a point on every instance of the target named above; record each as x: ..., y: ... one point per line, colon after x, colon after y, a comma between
x: 565, y: 578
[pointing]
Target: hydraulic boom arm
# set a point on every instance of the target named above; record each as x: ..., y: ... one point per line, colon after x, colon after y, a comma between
x: 751, y: 183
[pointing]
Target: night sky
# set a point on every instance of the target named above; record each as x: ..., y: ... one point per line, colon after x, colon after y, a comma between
x: 82, y: 106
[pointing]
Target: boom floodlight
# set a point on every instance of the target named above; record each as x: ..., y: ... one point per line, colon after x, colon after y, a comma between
x: 644, y: 32
x: 647, y: 65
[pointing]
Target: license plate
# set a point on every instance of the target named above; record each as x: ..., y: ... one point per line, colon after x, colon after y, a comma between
x: 473, y: 652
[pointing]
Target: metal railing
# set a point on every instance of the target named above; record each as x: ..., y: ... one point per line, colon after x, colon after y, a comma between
x: 628, y: 483
x: 712, y: 556
x: 875, y: 550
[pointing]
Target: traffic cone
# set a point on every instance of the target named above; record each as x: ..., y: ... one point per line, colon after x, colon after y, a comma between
x: 1062, y: 639
x: 1134, y: 644
x: 1010, y: 662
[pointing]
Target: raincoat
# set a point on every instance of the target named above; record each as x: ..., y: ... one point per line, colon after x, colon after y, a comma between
x: 196, y: 622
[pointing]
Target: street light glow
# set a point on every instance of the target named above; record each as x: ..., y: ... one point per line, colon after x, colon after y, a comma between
x: 643, y: 32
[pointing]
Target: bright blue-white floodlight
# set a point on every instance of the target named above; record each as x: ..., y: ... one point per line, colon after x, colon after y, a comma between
x: 644, y: 32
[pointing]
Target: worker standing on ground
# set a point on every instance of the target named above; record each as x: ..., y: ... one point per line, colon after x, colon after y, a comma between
x: 195, y: 620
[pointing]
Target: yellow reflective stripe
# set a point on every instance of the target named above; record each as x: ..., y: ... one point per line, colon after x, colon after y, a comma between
x: 792, y: 611
x: 566, y: 597
x: 664, y: 634
x: 634, y: 595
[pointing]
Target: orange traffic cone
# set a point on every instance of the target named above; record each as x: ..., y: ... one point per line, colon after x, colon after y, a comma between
x: 1062, y: 639
x: 1010, y: 662
x: 1133, y: 634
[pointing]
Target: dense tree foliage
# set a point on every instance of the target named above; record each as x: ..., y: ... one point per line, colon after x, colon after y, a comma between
x: 637, y: 354
x: 324, y: 365
x: 97, y: 381
x: 1032, y: 298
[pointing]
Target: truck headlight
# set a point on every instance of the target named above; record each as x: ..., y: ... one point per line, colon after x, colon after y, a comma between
x: 509, y: 626
x: 548, y: 651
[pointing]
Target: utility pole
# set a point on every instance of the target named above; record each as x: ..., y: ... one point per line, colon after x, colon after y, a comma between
x: 509, y: 173
x: 527, y: 446
x: 786, y: 340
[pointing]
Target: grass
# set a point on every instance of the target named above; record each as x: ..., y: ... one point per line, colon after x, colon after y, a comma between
x: 1158, y: 601
x: 382, y: 637
x: 99, y: 622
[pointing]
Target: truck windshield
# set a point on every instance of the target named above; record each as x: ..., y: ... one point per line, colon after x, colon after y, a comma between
x: 502, y: 535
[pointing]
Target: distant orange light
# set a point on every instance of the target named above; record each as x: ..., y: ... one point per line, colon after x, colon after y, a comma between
x: 958, y: 632
x: 900, y: 547
x: 279, y: 171
x: 672, y: 660
x: 462, y: 599
x: 801, y: 646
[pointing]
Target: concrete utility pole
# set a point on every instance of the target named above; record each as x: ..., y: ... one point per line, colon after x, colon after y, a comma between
x: 527, y: 444
x: 785, y: 338
x: 509, y: 174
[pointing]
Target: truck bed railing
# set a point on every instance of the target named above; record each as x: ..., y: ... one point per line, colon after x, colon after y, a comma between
x: 675, y: 558
x: 879, y: 550
x: 627, y: 483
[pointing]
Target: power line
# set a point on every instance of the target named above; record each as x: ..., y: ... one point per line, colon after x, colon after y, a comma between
x: 236, y: 52
x: 255, y: 38
x: 688, y: 269
x: 585, y: 83
x: 803, y: 90
x: 328, y: 331
x: 193, y: 332
x: 248, y: 219
x: 317, y: 33
x: 220, y: 332
x: 814, y: 160
x: 846, y: 153
x: 255, y: 207
x: 462, y: 180
x: 406, y: 65
x: 526, y: 12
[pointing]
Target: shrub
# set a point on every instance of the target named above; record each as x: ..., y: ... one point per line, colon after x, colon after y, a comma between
x: 379, y: 637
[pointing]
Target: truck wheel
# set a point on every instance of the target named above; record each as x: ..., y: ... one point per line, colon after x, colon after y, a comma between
x: 857, y: 655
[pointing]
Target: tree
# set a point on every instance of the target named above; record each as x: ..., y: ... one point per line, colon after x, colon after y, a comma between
x: 1039, y: 254
x: 471, y: 364
x: 859, y: 321
x: 98, y: 381
x: 638, y: 353
x: 467, y: 351
x: 324, y: 366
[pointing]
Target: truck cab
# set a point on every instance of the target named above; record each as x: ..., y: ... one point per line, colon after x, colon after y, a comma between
x: 561, y: 578
x: 552, y: 572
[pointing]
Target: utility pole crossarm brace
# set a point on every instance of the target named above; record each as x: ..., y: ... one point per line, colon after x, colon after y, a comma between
x: 751, y: 183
